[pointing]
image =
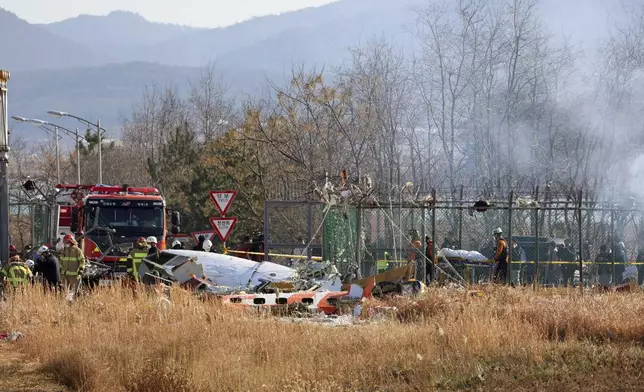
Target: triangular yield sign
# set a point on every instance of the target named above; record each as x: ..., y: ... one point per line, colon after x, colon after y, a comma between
x: 222, y: 200
x: 223, y: 226
x: 207, y: 233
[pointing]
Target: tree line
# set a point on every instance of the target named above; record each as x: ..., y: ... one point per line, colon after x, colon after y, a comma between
x: 486, y: 102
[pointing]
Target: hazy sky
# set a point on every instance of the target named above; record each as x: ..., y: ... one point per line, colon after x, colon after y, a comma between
x: 199, y: 13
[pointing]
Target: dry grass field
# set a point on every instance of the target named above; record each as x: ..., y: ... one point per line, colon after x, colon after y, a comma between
x: 499, y: 339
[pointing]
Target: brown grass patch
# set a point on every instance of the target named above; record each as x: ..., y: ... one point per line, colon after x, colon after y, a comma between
x: 113, y: 341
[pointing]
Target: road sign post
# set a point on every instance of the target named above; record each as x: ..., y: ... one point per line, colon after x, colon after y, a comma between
x: 209, y: 234
x: 223, y: 226
x: 223, y: 200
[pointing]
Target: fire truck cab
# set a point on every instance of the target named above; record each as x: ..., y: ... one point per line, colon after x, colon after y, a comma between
x: 126, y: 212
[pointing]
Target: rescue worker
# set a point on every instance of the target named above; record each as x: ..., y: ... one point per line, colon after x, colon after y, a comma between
x: 429, y: 259
x: 16, y: 272
x: 153, y: 252
x: 200, y: 241
x: 13, y: 251
x: 245, y: 247
x: 416, y: 254
x: 72, y: 262
x: 176, y: 244
x: 207, y: 245
x: 135, y: 258
x: 49, y: 267
x: 500, y: 257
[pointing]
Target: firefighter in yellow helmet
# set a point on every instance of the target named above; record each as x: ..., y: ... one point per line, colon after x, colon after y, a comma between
x: 16, y: 272
x: 72, y: 262
x: 134, y: 260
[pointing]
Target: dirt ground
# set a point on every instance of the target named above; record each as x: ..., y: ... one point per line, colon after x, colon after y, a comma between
x: 19, y: 374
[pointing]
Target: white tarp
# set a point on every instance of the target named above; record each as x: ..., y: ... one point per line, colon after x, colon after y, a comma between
x: 235, y: 272
x: 467, y: 255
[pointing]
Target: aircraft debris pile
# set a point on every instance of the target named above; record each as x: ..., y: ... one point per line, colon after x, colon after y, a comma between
x: 310, y: 288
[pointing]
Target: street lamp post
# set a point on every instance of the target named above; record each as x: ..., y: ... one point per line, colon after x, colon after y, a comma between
x: 4, y: 162
x: 78, y: 158
x: 45, y: 126
x: 56, y: 113
x: 100, y: 152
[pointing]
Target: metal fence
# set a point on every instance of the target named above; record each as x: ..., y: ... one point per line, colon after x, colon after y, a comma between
x: 556, y: 241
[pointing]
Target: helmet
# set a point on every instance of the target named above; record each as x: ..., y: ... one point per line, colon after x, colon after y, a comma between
x: 141, y: 239
x: 12, y: 248
x: 42, y: 250
x: 498, y: 231
x: 69, y: 238
x: 175, y: 243
x: 207, y: 245
x: 30, y: 264
x: 151, y: 240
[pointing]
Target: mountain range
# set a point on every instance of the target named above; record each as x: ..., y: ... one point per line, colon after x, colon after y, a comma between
x: 97, y: 66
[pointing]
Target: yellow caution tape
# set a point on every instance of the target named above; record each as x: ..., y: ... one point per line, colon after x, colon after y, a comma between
x: 529, y: 262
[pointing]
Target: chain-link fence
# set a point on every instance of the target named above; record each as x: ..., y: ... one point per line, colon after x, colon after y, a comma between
x: 548, y: 243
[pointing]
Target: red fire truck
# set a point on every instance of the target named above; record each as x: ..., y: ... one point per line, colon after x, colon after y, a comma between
x: 122, y: 214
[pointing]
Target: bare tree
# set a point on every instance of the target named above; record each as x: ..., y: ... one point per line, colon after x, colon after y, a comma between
x: 210, y: 106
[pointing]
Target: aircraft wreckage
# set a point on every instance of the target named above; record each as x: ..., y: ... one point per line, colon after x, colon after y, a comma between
x: 313, y: 286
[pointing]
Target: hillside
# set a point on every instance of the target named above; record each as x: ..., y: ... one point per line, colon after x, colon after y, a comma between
x: 116, y: 28
x: 29, y: 47
x: 105, y: 92
x: 97, y: 65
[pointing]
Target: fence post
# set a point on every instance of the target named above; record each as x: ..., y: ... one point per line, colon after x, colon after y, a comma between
x: 536, y: 240
x: 424, y: 231
x: 434, y: 222
x: 460, y: 220
x: 359, y: 238
x: 509, y: 244
x: 610, y: 243
x: 309, y: 228
x: 266, y: 207
x: 581, y: 259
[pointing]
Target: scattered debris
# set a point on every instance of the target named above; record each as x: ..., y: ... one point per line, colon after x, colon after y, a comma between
x: 311, y: 289
x: 7, y: 337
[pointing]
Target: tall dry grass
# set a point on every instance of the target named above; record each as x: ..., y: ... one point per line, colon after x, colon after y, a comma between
x: 114, y: 341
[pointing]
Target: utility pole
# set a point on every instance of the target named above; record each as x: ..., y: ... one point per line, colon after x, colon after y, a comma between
x: 77, y: 157
x: 4, y: 162
x: 100, y: 153
x: 57, y: 156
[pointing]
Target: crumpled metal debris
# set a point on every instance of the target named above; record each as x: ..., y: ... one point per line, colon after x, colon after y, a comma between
x: 7, y: 337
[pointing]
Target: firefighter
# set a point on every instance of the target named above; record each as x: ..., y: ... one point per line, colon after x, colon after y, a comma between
x: 16, y: 272
x: 200, y: 241
x: 416, y: 253
x: 48, y: 265
x: 177, y: 245
x: 207, y: 245
x: 429, y: 259
x: 153, y: 252
x: 135, y: 258
x: 72, y: 262
x: 500, y: 257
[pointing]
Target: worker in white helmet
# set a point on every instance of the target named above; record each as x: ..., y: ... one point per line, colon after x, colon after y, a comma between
x: 500, y: 257
x: 207, y: 245
x: 153, y: 252
x: 48, y: 266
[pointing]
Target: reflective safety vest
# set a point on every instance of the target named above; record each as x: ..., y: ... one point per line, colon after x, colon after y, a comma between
x: 72, y: 261
x: 134, y: 261
x: 17, y: 274
x: 382, y: 265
